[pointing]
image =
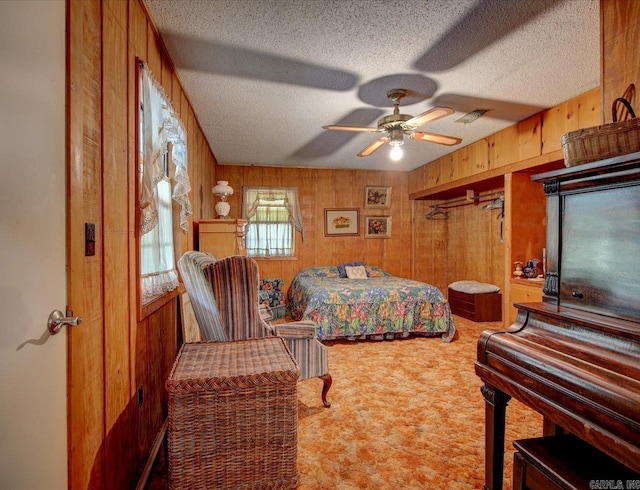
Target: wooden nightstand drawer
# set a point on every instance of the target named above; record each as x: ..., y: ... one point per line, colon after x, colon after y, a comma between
x: 523, y: 292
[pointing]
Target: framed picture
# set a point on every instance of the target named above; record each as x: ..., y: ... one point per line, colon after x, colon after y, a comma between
x: 341, y: 222
x: 377, y: 197
x: 377, y: 227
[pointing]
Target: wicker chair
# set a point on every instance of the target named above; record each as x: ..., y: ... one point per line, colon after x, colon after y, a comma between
x: 224, y: 296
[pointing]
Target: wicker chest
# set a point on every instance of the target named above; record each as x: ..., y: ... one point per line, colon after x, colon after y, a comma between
x: 233, y: 415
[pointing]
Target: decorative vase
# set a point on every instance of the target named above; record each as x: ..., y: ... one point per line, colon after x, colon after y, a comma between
x: 531, y: 269
x: 518, y: 272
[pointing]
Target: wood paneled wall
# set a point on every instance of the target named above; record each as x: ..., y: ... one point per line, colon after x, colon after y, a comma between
x: 118, y: 362
x: 466, y: 246
x: 620, y: 51
x: 474, y: 243
x: 86, y: 370
x: 327, y: 188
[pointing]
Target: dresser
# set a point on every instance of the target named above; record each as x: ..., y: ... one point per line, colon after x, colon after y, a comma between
x: 222, y: 237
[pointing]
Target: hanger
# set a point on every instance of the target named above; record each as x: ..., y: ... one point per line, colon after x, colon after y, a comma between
x: 437, y: 213
x: 497, y: 203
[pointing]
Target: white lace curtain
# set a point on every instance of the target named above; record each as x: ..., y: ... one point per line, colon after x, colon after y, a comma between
x: 161, y: 132
x: 271, y: 212
x: 287, y: 197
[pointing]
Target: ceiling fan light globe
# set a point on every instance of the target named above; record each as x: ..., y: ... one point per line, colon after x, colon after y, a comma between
x: 395, y: 153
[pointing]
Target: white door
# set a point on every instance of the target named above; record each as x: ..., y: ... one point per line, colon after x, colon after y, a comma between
x: 33, y: 377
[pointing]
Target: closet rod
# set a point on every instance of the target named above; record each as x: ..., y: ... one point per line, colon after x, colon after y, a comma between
x: 477, y: 199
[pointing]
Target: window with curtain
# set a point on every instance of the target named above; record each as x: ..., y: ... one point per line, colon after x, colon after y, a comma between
x: 273, y: 215
x: 163, y: 179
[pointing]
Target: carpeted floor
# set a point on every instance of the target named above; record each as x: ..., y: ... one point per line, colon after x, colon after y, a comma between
x: 405, y: 414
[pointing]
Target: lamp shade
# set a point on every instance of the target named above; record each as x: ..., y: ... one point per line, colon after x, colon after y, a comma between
x: 222, y: 188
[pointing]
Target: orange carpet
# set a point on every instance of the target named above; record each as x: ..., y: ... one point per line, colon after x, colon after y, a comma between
x: 405, y: 414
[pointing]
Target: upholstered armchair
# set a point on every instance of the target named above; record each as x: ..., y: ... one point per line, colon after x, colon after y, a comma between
x: 224, y: 295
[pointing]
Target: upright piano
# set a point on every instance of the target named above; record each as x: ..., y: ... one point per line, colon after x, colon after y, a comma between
x: 575, y: 357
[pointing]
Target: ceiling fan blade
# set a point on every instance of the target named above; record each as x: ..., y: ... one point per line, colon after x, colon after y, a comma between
x: 430, y: 115
x: 373, y: 146
x: 441, y: 139
x: 336, y: 127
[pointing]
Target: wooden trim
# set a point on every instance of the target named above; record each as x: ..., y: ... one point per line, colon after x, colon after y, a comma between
x: 486, y: 180
x: 86, y: 398
x: 155, y: 449
x: 159, y: 302
x: 143, y: 310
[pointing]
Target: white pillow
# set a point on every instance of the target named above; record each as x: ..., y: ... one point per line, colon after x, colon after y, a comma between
x: 474, y: 287
x: 356, y: 271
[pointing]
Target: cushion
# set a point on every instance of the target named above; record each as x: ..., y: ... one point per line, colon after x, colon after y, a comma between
x: 373, y: 271
x: 341, y: 268
x: 356, y: 271
x: 271, y: 284
x: 474, y: 287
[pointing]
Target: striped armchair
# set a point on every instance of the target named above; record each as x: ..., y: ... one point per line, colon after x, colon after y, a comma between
x: 224, y: 295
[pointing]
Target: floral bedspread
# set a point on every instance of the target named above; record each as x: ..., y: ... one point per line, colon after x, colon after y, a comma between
x: 381, y: 306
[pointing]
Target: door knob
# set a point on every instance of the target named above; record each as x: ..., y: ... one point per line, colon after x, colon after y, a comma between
x: 57, y: 320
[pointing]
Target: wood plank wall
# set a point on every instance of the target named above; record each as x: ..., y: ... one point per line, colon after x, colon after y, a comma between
x: 331, y: 188
x: 467, y: 245
x: 474, y: 243
x: 86, y: 372
x: 620, y: 51
x: 118, y: 362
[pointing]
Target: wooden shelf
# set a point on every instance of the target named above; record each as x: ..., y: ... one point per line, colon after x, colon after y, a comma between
x: 492, y: 178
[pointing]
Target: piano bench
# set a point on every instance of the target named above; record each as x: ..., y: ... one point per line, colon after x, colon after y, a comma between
x: 478, y: 307
x: 565, y: 462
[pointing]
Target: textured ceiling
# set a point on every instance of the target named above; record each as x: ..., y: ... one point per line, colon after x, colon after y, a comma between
x: 264, y: 76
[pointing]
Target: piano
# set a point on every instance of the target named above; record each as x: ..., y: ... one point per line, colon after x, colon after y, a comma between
x: 575, y: 356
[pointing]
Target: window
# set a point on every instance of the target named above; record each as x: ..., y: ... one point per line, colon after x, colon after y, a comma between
x: 157, y: 267
x: 272, y: 214
x: 162, y: 180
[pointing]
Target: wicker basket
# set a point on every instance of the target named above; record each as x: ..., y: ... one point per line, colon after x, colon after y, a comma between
x: 233, y: 416
x: 601, y: 142
x: 620, y: 137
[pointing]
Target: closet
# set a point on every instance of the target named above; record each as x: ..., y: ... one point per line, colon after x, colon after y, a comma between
x: 455, y: 239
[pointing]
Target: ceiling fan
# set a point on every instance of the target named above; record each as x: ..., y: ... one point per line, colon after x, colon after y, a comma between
x: 396, y: 125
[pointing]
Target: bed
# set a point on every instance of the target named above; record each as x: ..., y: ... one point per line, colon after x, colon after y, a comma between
x: 380, y: 306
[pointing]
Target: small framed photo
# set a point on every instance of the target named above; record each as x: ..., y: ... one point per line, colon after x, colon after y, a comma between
x: 341, y: 222
x: 377, y: 226
x: 377, y: 197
